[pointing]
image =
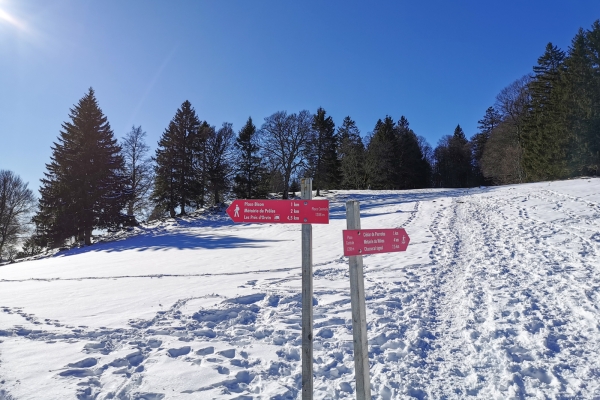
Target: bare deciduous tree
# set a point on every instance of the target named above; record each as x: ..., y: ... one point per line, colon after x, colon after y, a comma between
x: 284, y: 140
x: 501, y: 160
x: 16, y: 204
x: 219, y: 156
x: 139, y: 171
x: 512, y: 102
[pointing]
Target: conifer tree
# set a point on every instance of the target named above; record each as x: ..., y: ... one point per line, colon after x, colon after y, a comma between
x: 250, y: 174
x: 453, y: 166
x: 351, y: 153
x: 321, y: 153
x: 180, y: 176
x: 382, y: 156
x: 165, y: 190
x: 581, y: 101
x: 84, y: 187
x: 545, y: 140
x: 490, y: 120
x: 413, y: 169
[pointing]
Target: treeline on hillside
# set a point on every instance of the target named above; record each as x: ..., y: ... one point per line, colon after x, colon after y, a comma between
x: 545, y: 125
x: 542, y: 126
x: 94, y: 182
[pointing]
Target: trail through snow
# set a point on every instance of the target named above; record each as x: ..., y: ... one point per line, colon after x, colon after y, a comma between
x: 497, y: 297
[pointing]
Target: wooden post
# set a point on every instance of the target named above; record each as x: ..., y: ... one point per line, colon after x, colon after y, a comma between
x: 359, y: 314
x: 307, y: 299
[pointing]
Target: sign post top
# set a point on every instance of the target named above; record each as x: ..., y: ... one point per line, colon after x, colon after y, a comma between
x: 359, y: 242
x: 279, y: 211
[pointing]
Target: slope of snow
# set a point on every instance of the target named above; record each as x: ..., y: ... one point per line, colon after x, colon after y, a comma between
x: 497, y: 297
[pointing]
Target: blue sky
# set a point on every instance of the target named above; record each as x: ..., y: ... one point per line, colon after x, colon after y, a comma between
x: 439, y: 63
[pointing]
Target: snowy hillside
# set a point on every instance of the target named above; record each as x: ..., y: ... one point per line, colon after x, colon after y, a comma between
x: 497, y: 297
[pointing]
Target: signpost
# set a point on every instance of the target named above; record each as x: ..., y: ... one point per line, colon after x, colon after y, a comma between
x: 305, y: 211
x: 372, y: 241
x: 358, y: 242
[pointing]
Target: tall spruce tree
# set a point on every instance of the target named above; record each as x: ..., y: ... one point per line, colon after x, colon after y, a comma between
x: 487, y: 124
x: 453, y: 163
x: 414, y: 171
x: 164, y: 192
x: 250, y: 180
x: 545, y: 140
x: 84, y: 187
x: 581, y: 101
x: 321, y: 153
x: 382, y: 156
x: 351, y: 153
x: 180, y: 178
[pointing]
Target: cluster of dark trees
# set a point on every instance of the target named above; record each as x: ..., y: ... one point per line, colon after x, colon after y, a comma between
x: 94, y: 182
x: 545, y: 125
x: 542, y: 126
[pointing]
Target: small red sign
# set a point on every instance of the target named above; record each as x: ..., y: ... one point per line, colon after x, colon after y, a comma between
x: 279, y: 211
x: 358, y: 242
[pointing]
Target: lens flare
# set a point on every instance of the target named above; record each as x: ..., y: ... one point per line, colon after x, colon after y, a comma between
x: 5, y: 17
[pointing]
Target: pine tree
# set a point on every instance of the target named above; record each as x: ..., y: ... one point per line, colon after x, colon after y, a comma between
x: 487, y: 124
x: 250, y: 174
x: 84, y: 187
x: 453, y: 164
x: 545, y: 140
x: 321, y: 153
x: 581, y: 102
x: 351, y: 153
x: 180, y: 171
x: 165, y: 190
x: 413, y: 169
x: 382, y: 159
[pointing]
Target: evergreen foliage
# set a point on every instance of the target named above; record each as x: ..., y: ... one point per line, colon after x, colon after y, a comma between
x: 394, y: 159
x: 453, y: 161
x: 250, y: 180
x: 487, y: 124
x: 180, y: 171
x: 351, y: 153
x: 415, y: 170
x: 84, y: 187
x: 321, y: 153
x: 545, y: 138
x: 382, y: 156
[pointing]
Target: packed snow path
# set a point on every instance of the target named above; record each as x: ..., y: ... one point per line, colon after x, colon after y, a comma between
x: 497, y: 297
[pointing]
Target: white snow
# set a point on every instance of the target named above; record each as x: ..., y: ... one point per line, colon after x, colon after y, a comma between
x: 497, y: 297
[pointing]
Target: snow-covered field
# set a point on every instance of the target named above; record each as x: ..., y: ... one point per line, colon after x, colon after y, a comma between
x: 497, y: 297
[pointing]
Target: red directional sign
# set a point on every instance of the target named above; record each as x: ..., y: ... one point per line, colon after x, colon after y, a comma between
x: 280, y: 211
x: 358, y: 242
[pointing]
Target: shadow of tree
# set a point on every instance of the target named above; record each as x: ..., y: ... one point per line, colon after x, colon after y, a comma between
x: 169, y: 239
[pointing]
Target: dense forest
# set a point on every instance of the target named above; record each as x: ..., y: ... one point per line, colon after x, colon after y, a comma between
x: 543, y: 126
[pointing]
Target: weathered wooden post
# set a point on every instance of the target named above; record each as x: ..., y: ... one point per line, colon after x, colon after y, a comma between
x: 307, y: 299
x: 359, y: 313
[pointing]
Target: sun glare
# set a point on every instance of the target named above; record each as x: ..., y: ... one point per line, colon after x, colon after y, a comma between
x: 5, y: 17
